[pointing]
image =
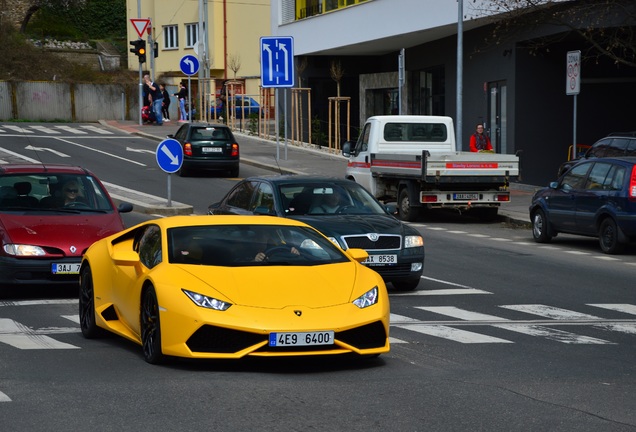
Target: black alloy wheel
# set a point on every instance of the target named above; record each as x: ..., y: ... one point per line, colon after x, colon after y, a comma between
x: 88, y: 325
x: 150, y: 327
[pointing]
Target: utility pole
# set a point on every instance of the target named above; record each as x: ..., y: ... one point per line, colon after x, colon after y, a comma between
x: 460, y: 73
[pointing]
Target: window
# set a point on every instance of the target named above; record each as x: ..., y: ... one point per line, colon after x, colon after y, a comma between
x: 631, y: 148
x: 575, y: 177
x: 148, y: 245
x: 617, y: 147
x: 192, y: 34
x: 599, y: 149
x: 241, y: 196
x: 429, y: 89
x: 597, y: 177
x: 170, y: 37
x: 264, y: 199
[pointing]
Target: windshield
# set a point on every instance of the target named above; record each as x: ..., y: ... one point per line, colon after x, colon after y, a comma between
x: 329, y: 199
x: 46, y: 192
x: 251, y: 245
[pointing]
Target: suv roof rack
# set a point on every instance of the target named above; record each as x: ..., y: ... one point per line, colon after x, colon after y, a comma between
x: 627, y: 134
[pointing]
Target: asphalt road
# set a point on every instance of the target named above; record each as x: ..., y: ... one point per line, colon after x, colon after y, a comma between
x: 501, y: 334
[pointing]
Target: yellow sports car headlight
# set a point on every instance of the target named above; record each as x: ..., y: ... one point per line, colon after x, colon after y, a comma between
x: 367, y: 299
x: 207, y: 302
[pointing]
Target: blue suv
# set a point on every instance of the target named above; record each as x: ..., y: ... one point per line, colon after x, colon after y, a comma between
x: 595, y: 198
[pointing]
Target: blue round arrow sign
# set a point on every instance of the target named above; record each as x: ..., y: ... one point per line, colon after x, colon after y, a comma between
x: 169, y: 155
x: 189, y: 64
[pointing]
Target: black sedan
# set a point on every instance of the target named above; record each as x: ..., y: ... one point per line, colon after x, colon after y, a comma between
x: 343, y: 211
x: 594, y: 198
x: 208, y: 147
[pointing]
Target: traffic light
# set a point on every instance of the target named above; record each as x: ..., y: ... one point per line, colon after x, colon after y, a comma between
x: 155, y: 49
x: 139, y: 49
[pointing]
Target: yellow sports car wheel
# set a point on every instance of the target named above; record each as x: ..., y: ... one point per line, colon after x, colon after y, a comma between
x: 150, y: 327
x: 89, y: 328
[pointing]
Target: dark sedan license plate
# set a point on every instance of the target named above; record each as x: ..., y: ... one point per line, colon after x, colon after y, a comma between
x: 66, y: 268
x: 212, y: 149
x: 380, y: 260
x: 465, y: 196
x: 301, y: 339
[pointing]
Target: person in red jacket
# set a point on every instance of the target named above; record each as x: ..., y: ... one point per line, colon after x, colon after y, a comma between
x: 479, y: 141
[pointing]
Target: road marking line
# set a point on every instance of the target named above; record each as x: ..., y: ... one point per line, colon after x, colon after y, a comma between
x: 22, y: 337
x: 38, y: 302
x: 99, y: 151
x: 453, y: 334
x: 439, y: 292
x: 4, y: 397
x: 531, y: 330
x: 97, y: 130
x: 28, y: 159
x: 72, y: 130
x: 44, y: 129
x: 625, y: 308
x: 18, y: 129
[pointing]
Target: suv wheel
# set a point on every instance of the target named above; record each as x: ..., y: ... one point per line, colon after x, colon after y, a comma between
x: 608, y: 237
x: 540, y: 227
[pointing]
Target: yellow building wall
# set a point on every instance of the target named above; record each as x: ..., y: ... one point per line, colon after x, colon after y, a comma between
x: 234, y: 29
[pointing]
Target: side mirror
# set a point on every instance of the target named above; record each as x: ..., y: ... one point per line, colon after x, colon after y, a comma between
x: 346, y: 149
x: 125, y: 207
x: 170, y: 136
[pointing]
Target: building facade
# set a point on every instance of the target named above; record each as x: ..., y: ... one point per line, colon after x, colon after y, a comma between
x: 224, y: 35
x: 518, y: 93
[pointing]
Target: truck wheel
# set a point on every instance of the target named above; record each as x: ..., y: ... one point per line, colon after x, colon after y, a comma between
x: 405, y: 211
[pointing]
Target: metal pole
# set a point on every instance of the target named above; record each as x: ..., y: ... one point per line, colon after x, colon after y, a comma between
x: 189, y: 99
x: 285, y: 131
x: 169, y: 190
x: 574, y: 131
x: 460, y: 71
x: 276, y: 131
x: 400, y: 79
x: 140, y: 99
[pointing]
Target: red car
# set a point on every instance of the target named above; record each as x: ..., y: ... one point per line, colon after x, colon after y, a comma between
x: 49, y: 216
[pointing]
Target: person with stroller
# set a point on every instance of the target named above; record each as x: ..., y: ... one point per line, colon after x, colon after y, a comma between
x: 157, y: 98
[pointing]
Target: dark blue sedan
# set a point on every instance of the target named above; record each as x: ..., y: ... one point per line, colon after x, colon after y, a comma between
x: 595, y: 198
x: 243, y: 106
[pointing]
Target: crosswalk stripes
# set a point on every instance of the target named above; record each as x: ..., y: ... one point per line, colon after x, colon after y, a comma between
x: 20, y: 336
x: 54, y: 130
x: 454, y: 328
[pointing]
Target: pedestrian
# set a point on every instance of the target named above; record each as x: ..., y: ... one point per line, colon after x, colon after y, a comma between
x: 165, y: 107
x: 157, y: 99
x: 479, y: 141
x: 182, y: 94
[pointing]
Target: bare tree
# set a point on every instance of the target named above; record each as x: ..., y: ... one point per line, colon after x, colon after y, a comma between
x: 234, y: 63
x: 336, y: 72
x: 607, y: 26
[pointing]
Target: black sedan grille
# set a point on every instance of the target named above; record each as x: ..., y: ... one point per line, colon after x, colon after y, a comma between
x: 365, y: 241
x: 394, y: 271
x: 212, y: 339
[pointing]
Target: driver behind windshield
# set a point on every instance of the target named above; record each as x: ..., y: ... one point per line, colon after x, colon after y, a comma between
x: 268, y: 241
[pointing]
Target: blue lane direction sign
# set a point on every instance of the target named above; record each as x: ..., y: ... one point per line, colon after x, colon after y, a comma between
x: 169, y: 155
x: 277, y: 61
x: 189, y: 65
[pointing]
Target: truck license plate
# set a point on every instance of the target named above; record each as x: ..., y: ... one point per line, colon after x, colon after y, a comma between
x: 301, y: 339
x: 66, y: 268
x: 380, y: 260
x: 465, y: 196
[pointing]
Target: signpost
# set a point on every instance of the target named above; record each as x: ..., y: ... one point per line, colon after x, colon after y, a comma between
x: 573, y: 86
x: 169, y: 158
x: 189, y: 65
x: 277, y: 70
x: 140, y: 26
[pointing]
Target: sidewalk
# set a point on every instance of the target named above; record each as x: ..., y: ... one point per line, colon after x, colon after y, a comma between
x: 286, y: 159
